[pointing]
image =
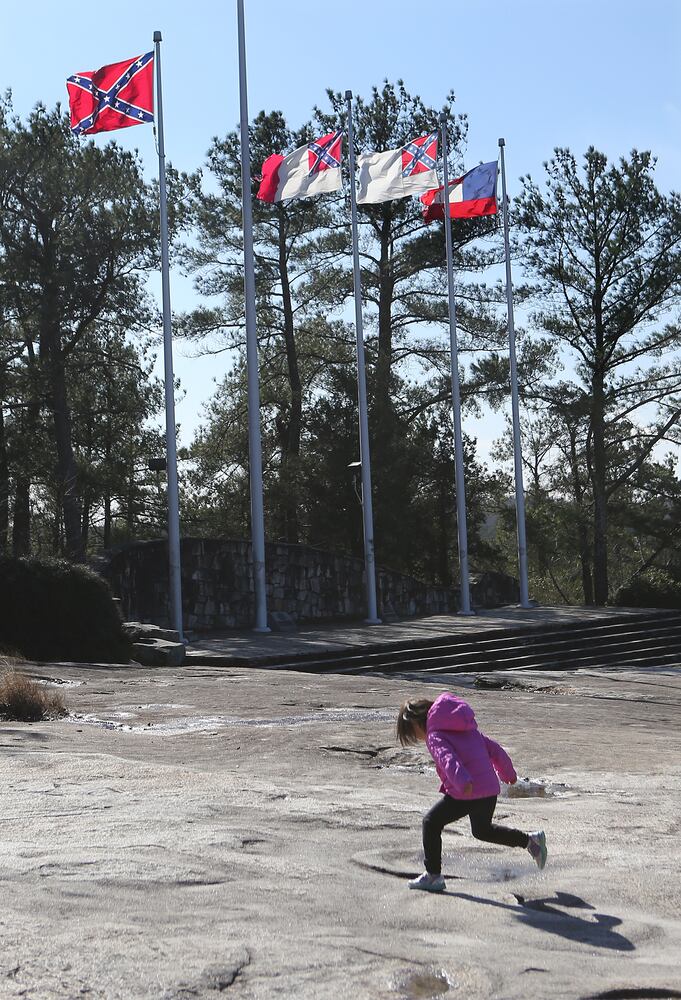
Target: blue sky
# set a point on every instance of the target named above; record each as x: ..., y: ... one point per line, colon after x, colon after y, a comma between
x: 601, y: 72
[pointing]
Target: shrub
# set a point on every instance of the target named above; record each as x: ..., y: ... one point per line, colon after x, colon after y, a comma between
x: 654, y: 589
x: 23, y: 700
x: 54, y: 610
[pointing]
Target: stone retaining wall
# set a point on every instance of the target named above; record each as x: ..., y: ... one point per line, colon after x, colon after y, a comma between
x: 307, y: 583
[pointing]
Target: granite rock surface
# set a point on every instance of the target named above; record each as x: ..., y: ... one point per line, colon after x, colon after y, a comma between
x: 208, y: 832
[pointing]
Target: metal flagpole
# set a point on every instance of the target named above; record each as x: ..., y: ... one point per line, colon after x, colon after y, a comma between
x: 456, y: 394
x: 254, y: 446
x: 171, y: 448
x: 517, y: 443
x: 367, y: 506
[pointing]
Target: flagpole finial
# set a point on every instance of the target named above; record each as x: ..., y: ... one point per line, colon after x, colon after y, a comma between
x: 444, y: 118
x: 502, y: 142
x: 157, y: 36
x: 348, y: 95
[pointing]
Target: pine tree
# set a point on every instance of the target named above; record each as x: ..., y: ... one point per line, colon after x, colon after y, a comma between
x: 603, y: 247
x: 295, y: 336
x: 78, y: 233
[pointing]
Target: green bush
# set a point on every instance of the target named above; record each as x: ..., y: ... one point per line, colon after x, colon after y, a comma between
x: 54, y: 610
x: 650, y: 590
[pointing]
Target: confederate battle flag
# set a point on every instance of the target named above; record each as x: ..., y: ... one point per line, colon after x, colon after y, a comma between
x: 112, y: 97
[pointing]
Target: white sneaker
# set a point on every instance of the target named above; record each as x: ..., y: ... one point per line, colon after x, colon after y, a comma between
x: 428, y: 882
x: 537, y: 848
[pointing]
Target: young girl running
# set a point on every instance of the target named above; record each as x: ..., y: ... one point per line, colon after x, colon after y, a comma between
x: 466, y: 762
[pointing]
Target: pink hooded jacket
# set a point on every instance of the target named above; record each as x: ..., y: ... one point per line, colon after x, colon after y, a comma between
x: 462, y: 753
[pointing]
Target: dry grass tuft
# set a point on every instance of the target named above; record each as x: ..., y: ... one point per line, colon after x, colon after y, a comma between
x: 8, y: 657
x: 24, y: 700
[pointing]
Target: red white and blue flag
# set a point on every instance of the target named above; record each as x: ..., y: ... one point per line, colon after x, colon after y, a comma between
x: 397, y: 173
x: 309, y: 170
x: 472, y: 195
x: 112, y: 97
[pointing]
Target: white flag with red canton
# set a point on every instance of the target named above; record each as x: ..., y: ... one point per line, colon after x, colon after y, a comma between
x: 398, y: 173
x: 312, y: 169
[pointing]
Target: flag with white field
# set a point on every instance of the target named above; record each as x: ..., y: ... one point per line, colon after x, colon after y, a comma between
x: 312, y: 169
x: 398, y: 173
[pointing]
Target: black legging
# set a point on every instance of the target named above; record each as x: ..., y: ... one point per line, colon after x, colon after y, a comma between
x: 447, y: 810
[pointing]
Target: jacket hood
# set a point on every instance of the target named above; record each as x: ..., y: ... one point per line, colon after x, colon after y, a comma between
x: 449, y: 712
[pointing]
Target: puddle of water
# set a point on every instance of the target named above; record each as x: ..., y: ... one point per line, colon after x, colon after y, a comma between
x: 75, y: 718
x: 155, y: 706
x: 525, y: 788
x: 422, y: 985
x: 57, y: 682
x: 528, y: 788
x: 177, y: 727
x: 173, y: 727
x: 195, y: 724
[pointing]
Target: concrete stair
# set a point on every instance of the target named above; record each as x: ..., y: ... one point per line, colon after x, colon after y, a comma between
x: 646, y: 638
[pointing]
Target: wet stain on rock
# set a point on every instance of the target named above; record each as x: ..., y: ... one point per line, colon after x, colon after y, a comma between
x: 533, y: 788
x: 422, y: 985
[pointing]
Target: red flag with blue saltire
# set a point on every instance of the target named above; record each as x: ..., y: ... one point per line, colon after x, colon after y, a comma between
x: 112, y: 97
x: 472, y: 195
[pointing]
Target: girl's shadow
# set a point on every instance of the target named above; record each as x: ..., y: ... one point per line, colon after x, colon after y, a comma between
x: 542, y: 914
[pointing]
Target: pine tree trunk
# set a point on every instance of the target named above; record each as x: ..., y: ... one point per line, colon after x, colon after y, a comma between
x: 384, y: 432
x: 57, y: 536
x: 585, y: 561
x: 107, y: 521
x: 85, y: 523
x: 66, y: 463
x: 582, y: 532
x: 21, y: 511
x: 26, y: 432
x: 386, y: 289
x: 4, y: 487
x: 52, y: 364
x: 21, y: 516
x: 291, y: 431
x: 600, y: 524
x: 130, y: 513
x: 599, y: 459
x: 444, y: 525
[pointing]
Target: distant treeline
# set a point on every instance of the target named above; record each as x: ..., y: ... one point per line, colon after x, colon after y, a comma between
x: 597, y: 257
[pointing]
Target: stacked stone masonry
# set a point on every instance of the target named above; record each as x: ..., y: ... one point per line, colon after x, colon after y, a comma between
x: 306, y: 583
